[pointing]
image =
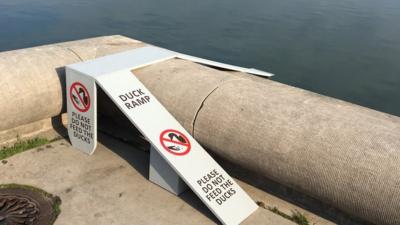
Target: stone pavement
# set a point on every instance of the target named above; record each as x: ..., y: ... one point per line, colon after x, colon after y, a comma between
x: 111, y: 187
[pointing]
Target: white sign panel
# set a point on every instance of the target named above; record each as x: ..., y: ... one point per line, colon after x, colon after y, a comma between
x: 193, y: 164
x: 82, y: 110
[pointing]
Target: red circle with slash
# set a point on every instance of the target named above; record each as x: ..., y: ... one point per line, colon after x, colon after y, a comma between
x: 175, y: 142
x: 79, y: 97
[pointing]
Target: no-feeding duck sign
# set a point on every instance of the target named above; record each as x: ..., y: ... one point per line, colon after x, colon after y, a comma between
x: 208, y: 180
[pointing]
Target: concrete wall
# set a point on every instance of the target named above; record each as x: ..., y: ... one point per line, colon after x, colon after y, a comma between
x: 33, y: 79
x: 340, y: 153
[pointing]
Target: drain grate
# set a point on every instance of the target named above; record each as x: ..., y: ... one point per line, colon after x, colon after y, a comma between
x: 21, y: 205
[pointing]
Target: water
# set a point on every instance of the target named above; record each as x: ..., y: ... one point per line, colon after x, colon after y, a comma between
x: 348, y: 49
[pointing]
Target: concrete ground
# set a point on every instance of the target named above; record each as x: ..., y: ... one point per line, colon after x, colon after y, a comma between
x: 111, y: 187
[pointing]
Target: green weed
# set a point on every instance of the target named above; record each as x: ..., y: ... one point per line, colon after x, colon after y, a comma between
x: 296, y: 216
x: 21, y: 146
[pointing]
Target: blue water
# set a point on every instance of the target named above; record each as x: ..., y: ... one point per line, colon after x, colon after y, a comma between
x: 349, y: 49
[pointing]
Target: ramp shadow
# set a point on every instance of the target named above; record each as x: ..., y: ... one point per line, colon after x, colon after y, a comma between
x: 138, y: 159
x: 56, y: 121
x: 58, y: 126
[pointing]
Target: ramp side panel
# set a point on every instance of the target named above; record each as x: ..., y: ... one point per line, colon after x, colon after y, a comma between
x: 82, y: 110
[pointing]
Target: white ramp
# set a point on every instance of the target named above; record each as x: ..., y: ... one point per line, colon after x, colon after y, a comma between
x: 183, y: 156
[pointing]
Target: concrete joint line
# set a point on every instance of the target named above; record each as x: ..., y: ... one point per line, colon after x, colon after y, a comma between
x: 204, y: 100
x: 75, y: 53
x: 72, y: 51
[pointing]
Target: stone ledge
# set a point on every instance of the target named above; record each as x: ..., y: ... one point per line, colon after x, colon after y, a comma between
x: 50, y: 128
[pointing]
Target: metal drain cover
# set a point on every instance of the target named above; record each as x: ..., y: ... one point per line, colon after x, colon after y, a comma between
x: 20, y: 205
